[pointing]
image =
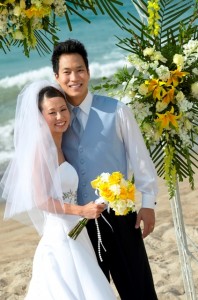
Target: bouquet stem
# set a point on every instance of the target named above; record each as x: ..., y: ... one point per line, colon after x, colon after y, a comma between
x: 78, y: 228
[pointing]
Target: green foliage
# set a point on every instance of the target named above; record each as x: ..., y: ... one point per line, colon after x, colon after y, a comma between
x: 173, y: 147
x: 40, y: 29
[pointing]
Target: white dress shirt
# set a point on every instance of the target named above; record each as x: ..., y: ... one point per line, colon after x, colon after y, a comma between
x: 139, y: 162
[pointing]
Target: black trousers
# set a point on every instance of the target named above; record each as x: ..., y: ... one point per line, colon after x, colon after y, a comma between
x: 125, y: 258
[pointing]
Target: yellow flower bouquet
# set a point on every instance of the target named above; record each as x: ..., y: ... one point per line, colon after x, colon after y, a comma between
x: 112, y: 189
x: 117, y: 192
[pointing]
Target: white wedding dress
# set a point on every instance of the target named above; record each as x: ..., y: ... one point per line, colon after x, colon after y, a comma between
x: 63, y: 268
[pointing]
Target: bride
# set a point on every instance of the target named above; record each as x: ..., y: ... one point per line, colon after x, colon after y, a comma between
x: 41, y: 184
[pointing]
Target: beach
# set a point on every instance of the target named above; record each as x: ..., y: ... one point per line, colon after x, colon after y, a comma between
x: 19, y: 243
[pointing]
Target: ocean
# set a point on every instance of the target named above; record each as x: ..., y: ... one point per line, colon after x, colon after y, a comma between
x: 16, y: 70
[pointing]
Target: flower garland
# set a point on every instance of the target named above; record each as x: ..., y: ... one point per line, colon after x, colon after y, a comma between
x: 160, y: 83
x: 19, y: 19
x: 32, y: 24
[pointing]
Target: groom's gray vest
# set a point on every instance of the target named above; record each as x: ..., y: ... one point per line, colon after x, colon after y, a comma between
x: 100, y: 149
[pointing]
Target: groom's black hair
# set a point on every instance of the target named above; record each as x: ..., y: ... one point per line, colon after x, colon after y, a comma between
x: 70, y: 46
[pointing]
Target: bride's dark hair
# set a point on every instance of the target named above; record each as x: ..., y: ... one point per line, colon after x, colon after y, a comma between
x: 48, y: 92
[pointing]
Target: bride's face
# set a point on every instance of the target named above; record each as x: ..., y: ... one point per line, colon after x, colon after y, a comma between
x: 56, y: 114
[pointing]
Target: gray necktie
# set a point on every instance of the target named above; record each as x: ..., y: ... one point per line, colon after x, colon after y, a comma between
x: 76, y: 123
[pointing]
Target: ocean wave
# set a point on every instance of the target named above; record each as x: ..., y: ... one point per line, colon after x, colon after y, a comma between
x: 6, y: 146
x: 105, y: 70
x: 97, y: 70
x: 23, y: 78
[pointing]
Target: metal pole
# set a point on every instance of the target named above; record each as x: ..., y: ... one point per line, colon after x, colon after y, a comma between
x: 184, y: 253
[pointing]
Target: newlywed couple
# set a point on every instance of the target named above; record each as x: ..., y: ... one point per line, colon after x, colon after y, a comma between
x: 49, y: 178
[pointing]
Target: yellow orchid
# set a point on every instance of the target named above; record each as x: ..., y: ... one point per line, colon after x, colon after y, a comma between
x: 176, y: 77
x: 153, y: 16
x: 169, y: 97
x: 165, y: 120
x: 40, y: 12
x: 157, y: 87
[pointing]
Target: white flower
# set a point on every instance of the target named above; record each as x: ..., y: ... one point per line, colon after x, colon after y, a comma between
x: 18, y: 35
x: 154, y: 64
x: 3, y: 24
x: 185, y: 105
x: 178, y: 59
x: 115, y: 188
x: 132, y: 80
x: 148, y: 51
x: 188, y: 124
x: 131, y: 204
x: 158, y: 56
x: 143, y: 89
x: 140, y: 110
x: 195, y: 71
x: 119, y: 206
x: 180, y: 96
x: 123, y: 182
x: 105, y: 177
x: 194, y: 90
x: 163, y: 73
x: 160, y: 106
x: 190, y: 47
x: 17, y: 11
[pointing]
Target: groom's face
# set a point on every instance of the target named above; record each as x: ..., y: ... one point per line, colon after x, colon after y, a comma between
x: 73, y: 77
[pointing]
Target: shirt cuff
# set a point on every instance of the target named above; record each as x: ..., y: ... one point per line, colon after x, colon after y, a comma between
x: 148, y: 201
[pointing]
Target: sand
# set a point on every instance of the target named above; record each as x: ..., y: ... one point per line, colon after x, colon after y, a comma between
x: 18, y: 244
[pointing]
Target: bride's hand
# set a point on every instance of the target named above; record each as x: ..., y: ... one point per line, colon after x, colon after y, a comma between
x: 93, y: 210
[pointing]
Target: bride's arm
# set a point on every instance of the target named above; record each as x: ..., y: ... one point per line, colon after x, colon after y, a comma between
x: 89, y: 211
x: 42, y: 184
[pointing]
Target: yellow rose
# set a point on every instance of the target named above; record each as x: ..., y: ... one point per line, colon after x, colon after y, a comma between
x: 131, y: 192
x: 123, y: 193
x: 106, y: 193
x: 115, y: 178
x: 95, y: 183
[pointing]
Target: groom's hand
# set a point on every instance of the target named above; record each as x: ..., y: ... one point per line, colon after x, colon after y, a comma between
x: 147, y: 216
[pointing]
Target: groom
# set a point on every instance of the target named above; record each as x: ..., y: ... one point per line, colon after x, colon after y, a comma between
x: 110, y: 141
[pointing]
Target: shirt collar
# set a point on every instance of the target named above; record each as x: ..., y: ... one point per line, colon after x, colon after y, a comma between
x: 85, y: 104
